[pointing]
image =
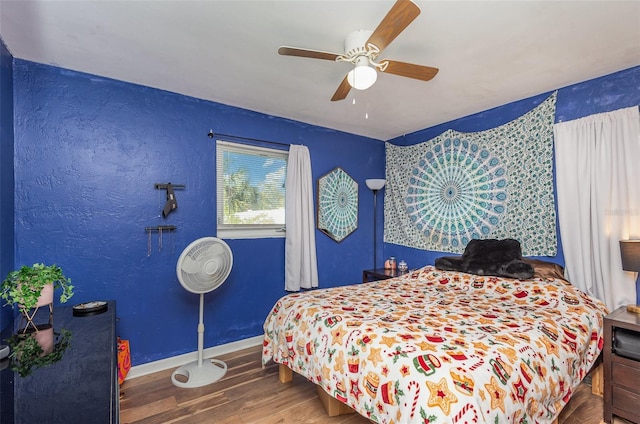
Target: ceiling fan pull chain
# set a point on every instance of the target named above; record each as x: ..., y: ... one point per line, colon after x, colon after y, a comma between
x: 366, y: 107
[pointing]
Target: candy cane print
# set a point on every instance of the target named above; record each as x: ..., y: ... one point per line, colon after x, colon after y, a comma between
x: 415, y: 397
x: 398, y: 352
x: 477, y: 364
x: 464, y: 411
x: 524, y: 349
x: 352, y: 335
x: 325, y: 339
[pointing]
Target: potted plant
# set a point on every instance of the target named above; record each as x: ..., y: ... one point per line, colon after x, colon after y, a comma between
x: 33, y: 286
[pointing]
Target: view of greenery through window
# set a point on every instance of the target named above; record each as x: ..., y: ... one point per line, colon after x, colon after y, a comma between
x: 254, y: 191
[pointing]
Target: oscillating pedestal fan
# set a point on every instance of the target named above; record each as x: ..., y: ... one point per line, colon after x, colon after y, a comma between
x: 202, y: 267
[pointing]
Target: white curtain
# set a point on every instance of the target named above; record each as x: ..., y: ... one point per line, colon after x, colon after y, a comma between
x: 598, y: 182
x: 301, y: 269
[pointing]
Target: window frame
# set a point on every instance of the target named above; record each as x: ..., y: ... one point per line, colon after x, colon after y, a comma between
x: 243, y: 231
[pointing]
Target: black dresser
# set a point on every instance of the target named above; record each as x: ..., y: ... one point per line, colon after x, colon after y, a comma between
x: 81, y: 387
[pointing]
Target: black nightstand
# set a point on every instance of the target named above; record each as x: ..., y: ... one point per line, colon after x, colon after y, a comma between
x: 380, y: 274
x: 621, y: 369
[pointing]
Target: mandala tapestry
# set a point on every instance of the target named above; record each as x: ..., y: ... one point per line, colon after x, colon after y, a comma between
x: 461, y: 186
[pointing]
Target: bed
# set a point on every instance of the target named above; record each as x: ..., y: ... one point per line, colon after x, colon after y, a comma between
x: 436, y: 346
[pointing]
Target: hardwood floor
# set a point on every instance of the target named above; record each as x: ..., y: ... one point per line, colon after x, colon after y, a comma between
x: 251, y: 394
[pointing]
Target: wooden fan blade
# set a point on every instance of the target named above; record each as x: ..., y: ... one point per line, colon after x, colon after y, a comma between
x: 397, y: 19
x: 313, y: 54
x: 342, y: 91
x: 410, y: 70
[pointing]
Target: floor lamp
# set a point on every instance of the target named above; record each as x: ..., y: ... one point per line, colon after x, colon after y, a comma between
x: 375, y: 184
x: 630, y: 253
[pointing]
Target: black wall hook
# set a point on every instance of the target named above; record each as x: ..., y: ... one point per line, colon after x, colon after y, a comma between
x: 172, y: 203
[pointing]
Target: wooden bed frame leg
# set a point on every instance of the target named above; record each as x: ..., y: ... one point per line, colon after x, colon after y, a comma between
x: 597, y: 383
x: 597, y: 380
x: 285, y: 374
x: 332, y: 405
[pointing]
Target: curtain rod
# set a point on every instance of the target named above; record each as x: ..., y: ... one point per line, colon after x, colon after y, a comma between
x: 216, y: 134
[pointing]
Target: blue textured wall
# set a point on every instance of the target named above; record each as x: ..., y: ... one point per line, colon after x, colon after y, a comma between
x: 6, y: 172
x: 88, y: 151
x: 605, y: 94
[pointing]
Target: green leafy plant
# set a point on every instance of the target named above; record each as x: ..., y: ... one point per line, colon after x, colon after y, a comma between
x: 23, y: 286
x: 27, y: 354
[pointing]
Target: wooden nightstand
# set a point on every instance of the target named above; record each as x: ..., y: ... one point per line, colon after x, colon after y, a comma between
x: 380, y: 274
x: 621, y: 374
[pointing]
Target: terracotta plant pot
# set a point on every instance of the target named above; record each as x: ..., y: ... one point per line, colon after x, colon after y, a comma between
x: 46, y: 296
x: 34, y: 319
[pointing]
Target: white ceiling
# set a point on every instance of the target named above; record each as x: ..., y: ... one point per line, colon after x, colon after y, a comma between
x: 489, y: 52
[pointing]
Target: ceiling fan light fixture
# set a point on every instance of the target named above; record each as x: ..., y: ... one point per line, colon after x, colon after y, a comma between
x: 362, y: 76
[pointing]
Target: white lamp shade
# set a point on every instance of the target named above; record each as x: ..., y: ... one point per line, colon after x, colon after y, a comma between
x: 362, y: 76
x: 375, y: 183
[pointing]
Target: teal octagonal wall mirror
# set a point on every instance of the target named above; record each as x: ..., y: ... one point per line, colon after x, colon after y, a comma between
x: 337, y: 205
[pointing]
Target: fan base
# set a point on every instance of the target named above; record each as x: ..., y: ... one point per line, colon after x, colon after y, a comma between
x: 196, y: 375
x: 355, y: 43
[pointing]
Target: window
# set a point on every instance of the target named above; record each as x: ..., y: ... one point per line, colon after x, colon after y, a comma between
x: 250, y: 190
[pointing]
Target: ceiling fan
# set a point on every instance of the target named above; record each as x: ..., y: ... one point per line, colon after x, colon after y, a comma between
x: 362, y: 48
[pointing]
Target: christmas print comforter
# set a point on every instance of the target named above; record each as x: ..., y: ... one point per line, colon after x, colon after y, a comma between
x: 441, y: 347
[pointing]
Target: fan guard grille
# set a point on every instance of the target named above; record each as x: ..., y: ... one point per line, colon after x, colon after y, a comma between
x: 204, y: 265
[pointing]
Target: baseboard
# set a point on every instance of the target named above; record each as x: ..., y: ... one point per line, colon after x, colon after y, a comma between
x: 176, y: 361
